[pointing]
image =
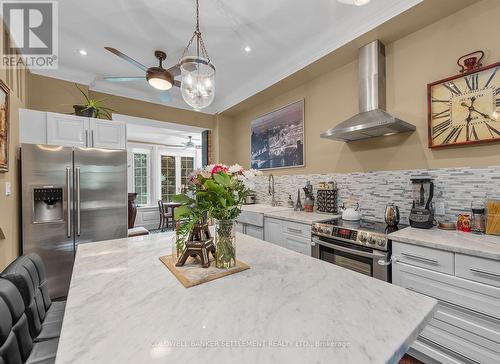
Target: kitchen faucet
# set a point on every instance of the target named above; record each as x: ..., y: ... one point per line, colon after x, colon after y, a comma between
x: 271, y: 190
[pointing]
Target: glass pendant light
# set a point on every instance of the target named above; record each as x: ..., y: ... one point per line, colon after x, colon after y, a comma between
x: 197, y: 72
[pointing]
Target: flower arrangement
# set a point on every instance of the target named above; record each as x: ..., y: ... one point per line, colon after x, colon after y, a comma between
x: 216, y: 191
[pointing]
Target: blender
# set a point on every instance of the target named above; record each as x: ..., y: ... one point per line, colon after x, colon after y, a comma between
x: 422, y: 212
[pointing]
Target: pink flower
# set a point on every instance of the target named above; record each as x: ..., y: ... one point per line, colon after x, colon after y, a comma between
x: 219, y: 168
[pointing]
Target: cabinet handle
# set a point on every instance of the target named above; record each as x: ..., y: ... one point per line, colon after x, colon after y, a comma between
x: 92, y: 137
x: 447, y: 349
x: 491, y: 274
x: 416, y: 257
x: 297, y: 231
x: 86, y: 138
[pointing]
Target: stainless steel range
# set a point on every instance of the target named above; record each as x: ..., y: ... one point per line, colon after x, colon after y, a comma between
x: 361, y: 246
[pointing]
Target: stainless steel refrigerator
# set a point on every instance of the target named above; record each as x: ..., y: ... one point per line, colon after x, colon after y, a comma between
x: 70, y: 196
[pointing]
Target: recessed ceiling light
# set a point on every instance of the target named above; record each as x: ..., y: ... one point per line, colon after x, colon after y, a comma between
x: 83, y: 52
x: 247, y: 49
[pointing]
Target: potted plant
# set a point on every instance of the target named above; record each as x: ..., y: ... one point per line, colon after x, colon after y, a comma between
x: 218, y: 192
x: 92, y: 108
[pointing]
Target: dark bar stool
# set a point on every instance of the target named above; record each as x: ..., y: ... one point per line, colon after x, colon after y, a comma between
x: 16, y: 345
x: 44, y: 316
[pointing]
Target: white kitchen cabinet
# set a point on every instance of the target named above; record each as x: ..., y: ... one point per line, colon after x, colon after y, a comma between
x: 288, y: 234
x: 32, y: 126
x: 300, y: 245
x: 239, y: 227
x: 254, y: 231
x: 272, y: 231
x: 251, y: 223
x: 37, y: 127
x: 466, y: 325
x: 67, y: 130
x: 109, y: 134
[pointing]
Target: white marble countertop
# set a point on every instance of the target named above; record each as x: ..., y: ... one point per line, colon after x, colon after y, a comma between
x: 124, y: 306
x: 487, y: 246
x: 287, y: 213
x: 262, y: 208
x: 300, y: 216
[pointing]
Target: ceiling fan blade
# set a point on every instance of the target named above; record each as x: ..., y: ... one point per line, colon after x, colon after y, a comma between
x: 125, y: 79
x: 165, y: 96
x: 126, y: 58
x: 175, y: 70
x: 177, y: 83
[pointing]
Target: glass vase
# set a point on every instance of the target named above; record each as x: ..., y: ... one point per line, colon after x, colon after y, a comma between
x: 225, y: 244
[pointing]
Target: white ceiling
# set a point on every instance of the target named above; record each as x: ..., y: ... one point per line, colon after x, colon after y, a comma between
x: 284, y: 35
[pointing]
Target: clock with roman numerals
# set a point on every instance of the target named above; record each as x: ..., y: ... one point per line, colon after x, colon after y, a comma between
x: 465, y: 109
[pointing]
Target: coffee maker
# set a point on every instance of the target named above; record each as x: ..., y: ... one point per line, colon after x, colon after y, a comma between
x: 422, y: 211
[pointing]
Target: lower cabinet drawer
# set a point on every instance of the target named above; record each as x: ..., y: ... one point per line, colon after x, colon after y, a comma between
x: 478, y: 269
x: 480, y: 329
x: 455, y: 340
x: 255, y: 231
x: 297, y: 244
x: 297, y: 229
x: 437, y: 260
x: 474, y: 296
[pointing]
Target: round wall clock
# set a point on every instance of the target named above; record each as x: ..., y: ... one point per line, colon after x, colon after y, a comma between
x: 465, y: 109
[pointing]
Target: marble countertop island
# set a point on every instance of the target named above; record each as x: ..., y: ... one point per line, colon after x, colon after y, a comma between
x: 486, y: 246
x: 124, y: 306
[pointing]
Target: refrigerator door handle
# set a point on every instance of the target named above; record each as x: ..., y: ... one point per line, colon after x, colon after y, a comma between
x: 68, y: 201
x: 77, y: 170
x: 92, y: 135
x: 86, y: 138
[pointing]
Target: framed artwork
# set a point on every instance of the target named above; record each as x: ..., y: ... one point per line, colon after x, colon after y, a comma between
x: 4, y: 127
x: 278, y: 138
x: 465, y: 109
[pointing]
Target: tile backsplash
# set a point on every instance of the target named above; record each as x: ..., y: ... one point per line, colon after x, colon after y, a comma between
x: 455, y: 187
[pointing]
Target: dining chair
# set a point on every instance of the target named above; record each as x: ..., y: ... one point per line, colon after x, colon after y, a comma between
x: 166, y: 215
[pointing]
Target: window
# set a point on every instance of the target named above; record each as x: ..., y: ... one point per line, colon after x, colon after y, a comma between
x: 141, y: 178
x: 157, y: 172
x: 187, y: 166
x: 168, y: 177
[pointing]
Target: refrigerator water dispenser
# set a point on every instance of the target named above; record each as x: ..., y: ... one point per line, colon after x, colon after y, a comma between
x: 47, y: 204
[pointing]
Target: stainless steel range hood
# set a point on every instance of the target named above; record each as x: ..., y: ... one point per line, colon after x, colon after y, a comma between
x: 372, y: 120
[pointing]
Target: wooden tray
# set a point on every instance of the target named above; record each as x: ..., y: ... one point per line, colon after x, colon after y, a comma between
x: 192, y: 274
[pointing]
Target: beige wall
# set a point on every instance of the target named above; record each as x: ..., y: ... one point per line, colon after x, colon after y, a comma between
x: 426, y: 55
x: 50, y: 94
x: 9, y: 213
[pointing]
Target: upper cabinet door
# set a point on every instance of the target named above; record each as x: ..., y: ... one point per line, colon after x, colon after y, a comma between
x: 32, y: 126
x: 67, y: 130
x: 110, y: 134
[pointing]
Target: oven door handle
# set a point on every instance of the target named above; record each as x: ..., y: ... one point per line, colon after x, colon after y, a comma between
x: 347, y: 250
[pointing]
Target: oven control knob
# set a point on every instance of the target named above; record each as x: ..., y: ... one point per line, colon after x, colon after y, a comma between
x: 363, y: 237
x: 372, y: 240
x: 314, y: 228
x: 381, y: 242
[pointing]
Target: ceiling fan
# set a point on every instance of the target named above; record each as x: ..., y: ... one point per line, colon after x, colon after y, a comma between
x: 158, y: 77
x: 190, y: 144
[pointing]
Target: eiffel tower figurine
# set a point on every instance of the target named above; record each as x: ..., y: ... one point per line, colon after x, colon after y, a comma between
x: 199, y: 243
